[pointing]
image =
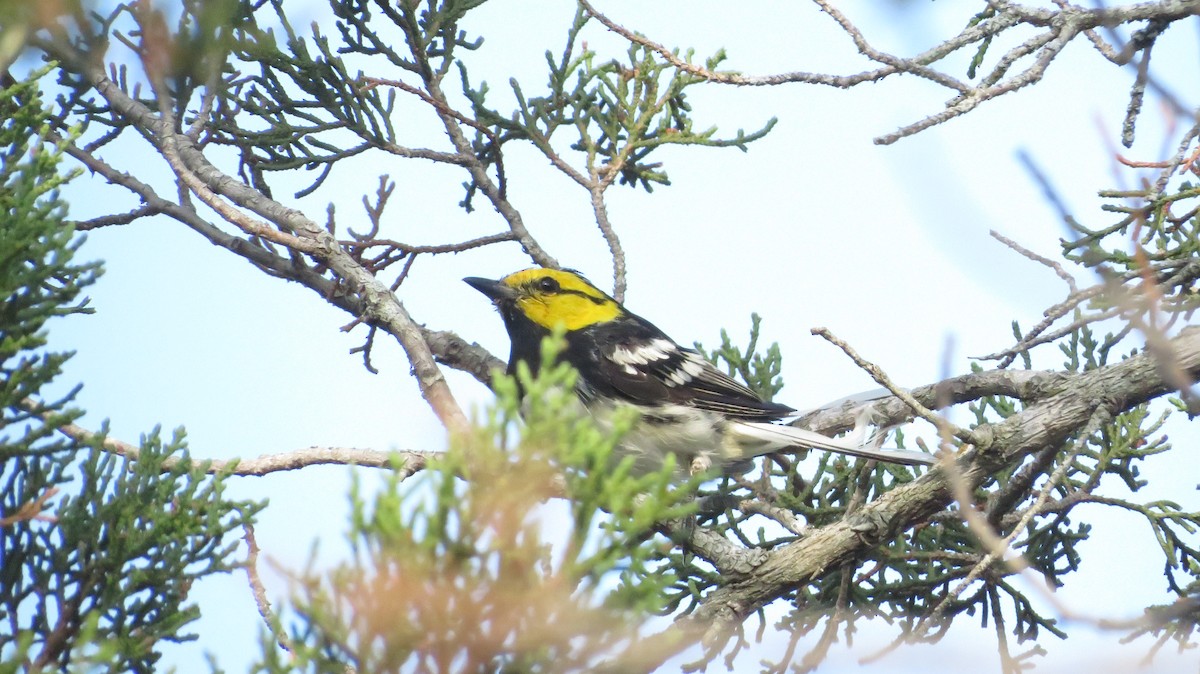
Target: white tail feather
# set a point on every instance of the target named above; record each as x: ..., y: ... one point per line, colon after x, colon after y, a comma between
x: 774, y: 437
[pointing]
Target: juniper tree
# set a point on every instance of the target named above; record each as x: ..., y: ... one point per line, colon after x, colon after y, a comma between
x: 247, y: 115
x: 97, y: 551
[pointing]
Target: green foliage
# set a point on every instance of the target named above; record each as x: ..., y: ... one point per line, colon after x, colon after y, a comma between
x: 981, y: 51
x: 908, y: 577
x: 300, y: 105
x: 1152, y: 286
x: 760, y: 371
x: 1146, y: 257
x: 97, y: 552
x: 37, y: 279
x: 297, y: 105
x: 614, y: 113
x: 528, y: 533
x: 126, y: 542
x: 895, y: 584
x: 559, y: 585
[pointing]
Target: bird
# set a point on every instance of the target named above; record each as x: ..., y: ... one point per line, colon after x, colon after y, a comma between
x: 688, y: 406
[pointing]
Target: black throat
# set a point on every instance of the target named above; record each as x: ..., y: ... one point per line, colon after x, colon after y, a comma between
x: 526, y: 338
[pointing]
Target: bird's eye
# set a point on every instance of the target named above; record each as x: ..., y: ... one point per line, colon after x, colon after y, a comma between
x: 548, y: 285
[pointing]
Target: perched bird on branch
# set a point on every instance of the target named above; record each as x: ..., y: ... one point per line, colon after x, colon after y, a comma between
x: 688, y: 407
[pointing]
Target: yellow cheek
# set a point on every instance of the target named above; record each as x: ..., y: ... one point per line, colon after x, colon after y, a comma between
x: 536, y: 311
x: 570, y: 311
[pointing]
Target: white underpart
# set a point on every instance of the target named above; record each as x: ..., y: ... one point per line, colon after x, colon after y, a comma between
x: 689, y: 436
x: 698, y: 434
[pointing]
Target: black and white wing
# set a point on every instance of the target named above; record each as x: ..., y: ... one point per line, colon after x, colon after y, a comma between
x: 638, y: 363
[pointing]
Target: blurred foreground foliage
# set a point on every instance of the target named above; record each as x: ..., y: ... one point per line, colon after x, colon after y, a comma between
x: 529, y: 549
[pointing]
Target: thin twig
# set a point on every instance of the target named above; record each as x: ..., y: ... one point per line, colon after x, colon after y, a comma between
x: 435, y: 249
x: 1059, y: 27
x: 451, y: 120
x: 1057, y: 267
x: 445, y: 109
x: 610, y: 237
x: 783, y: 516
x: 998, y: 548
x: 813, y: 659
x: 407, y: 462
x: 206, y: 180
x: 1036, y: 336
x: 259, y: 591
x: 31, y: 510
x: 116, y: 219
x: 885, y: 381
x: 896, y: 65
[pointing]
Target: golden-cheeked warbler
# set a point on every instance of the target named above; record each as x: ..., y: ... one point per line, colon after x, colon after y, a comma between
x: 688, y: 407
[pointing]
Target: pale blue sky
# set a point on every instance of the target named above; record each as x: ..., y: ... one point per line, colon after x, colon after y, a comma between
x: 814, y: 226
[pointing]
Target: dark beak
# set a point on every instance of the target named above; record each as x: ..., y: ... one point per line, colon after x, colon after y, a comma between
x: 497, y: 291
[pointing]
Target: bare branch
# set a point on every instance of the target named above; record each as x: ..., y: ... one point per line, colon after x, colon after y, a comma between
x: 31, y: 510
x: 610, y: 237
x: 1026, y: 385
x: 839, y: 81
x: 274, y: 625
x: 118, y: 219
x: 446, y: 347
x: 431, y: 249
x: 296, y: 231
x: 450, y: 121
x: 1040, y: 425
x: 1055, y: 266
x: 460, y: 158
x: 1058, y: 28
x: 407, y: 462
